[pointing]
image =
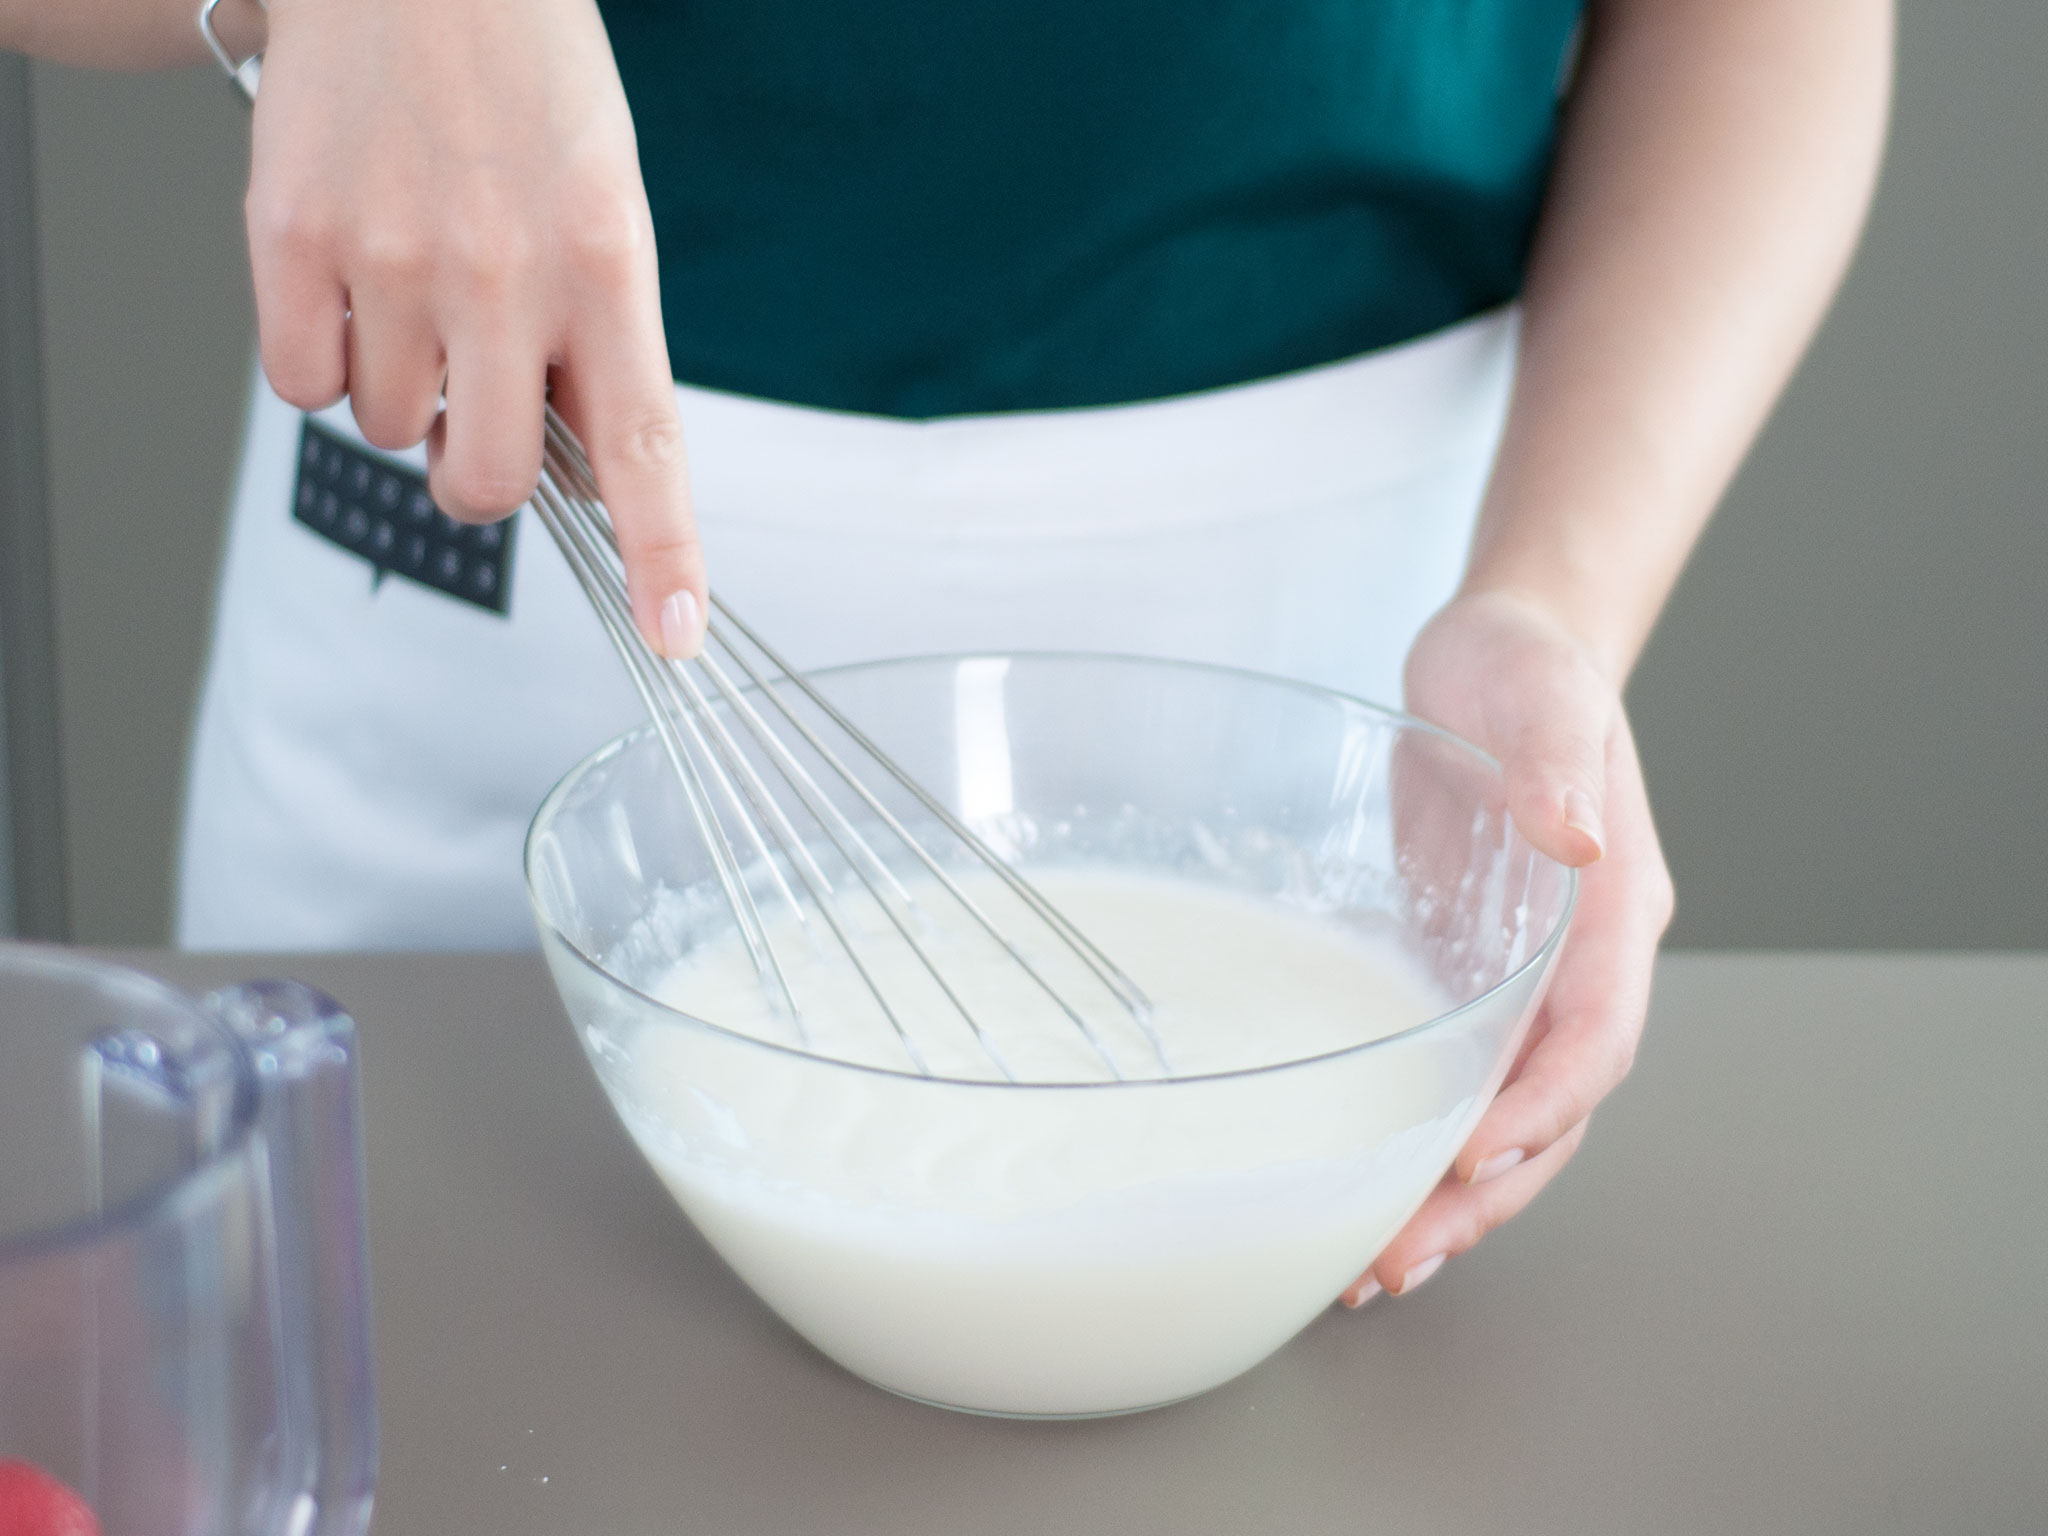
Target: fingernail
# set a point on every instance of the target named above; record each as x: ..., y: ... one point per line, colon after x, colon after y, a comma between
x: 1493, y: 1167
x: 1420, y: 1273
x: 1582, y: 815
x: 1362, y: 1291
x: 679, y: 626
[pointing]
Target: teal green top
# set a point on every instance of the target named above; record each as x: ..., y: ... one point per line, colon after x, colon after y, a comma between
x: 927, y: 207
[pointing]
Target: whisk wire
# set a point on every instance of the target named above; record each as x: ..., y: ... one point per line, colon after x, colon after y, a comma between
x: 859, y: 855
x: 809, y: 874
x: 705, y: 753
x: 577, y: 525
x: 917, y: 848
x: 583, y: 562
x: 1126, y: 990
x: 799, y: 778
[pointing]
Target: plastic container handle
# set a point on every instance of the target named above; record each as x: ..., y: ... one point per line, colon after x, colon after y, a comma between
x: 303, y: 1048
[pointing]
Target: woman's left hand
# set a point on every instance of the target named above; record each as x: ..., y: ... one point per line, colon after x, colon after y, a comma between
x: 1500, y: 670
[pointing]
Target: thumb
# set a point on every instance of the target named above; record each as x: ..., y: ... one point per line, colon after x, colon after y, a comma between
x: 1553, y: 748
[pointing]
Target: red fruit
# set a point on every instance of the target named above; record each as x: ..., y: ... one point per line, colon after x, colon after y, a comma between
x: 33, y: 1503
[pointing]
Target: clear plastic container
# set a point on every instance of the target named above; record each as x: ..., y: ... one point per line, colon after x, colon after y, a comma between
x: 184, y: 1324
x: 1069, y: 1249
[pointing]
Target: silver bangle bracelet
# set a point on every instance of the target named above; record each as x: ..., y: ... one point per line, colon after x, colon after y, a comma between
x: 243, y: 72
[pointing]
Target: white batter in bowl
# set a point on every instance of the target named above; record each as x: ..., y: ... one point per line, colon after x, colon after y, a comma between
x: 1345, y: 939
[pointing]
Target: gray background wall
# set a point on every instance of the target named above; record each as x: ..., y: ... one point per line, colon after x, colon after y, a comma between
x: 147, y: 337
x: 1844, y: 715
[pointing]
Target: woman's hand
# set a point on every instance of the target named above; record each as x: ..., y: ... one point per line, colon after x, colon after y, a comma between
x: 446, y: 219
x: 1714, y: 164
x: 1499, y: 670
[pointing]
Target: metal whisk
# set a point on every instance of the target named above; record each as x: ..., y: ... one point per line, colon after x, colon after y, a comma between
x: 703, y: 740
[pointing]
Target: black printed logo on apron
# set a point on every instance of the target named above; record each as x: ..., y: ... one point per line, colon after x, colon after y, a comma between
x: 380, y: 512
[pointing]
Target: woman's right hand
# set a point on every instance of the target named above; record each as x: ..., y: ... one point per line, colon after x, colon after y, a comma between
x: 446, y: 220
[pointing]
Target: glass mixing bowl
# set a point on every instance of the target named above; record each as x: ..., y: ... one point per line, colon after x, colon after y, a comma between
x: 1070, y: 1249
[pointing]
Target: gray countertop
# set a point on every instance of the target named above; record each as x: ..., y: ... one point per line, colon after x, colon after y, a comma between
x: 1797, y: 1280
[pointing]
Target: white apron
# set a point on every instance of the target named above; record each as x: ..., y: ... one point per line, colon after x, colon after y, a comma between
x: 368, y: 755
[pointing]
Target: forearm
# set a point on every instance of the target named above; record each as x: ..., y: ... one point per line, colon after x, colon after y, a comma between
x: 123, y: 34
x: 1714, y: 168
